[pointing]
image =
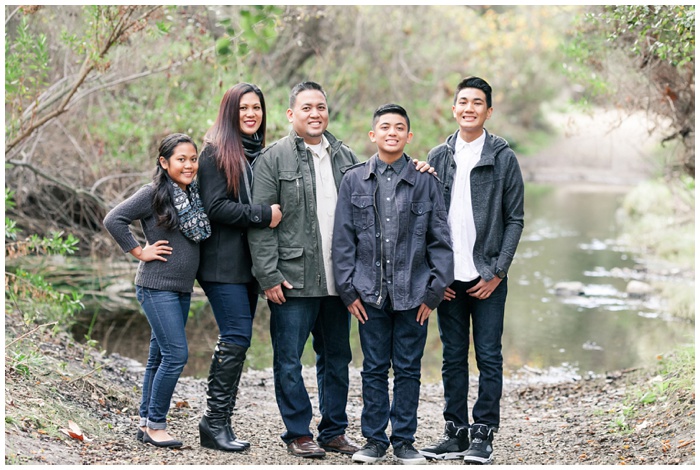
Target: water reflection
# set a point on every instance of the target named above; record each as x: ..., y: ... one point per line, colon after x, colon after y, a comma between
x: 569, y: 236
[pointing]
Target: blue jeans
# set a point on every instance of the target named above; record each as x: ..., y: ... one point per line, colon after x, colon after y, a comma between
x: 391, y: 338
x: 234, y: 309
x: 328, y: 320
x: 167, y: 355
x: 486, y: 318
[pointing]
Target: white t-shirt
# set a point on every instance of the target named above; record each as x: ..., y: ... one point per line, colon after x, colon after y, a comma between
x: 461, y: 215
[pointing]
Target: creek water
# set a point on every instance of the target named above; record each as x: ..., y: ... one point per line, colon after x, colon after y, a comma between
x: 570, y: 236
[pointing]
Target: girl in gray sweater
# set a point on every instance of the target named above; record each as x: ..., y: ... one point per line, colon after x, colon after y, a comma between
x: 174, y: 222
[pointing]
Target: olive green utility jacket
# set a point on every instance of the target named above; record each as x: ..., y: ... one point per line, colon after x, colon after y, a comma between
x: 284, y: 174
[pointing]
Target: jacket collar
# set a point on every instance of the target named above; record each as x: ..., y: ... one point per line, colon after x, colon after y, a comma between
x: 492, y: 145
x: 301, y: 147
x: 408, y: 173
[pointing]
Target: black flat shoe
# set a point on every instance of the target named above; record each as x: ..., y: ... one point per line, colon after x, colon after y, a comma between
x: 139, y: 435
x: 171, y: 444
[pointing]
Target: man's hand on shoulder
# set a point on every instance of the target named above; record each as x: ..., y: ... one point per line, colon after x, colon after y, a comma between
x: 423, y: 166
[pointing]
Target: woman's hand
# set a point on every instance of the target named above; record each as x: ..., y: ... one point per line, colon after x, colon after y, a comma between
x: 152, y: 252
x: 276, y: 215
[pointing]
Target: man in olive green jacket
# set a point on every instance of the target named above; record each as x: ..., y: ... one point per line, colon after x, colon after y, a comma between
x: 292, y: 263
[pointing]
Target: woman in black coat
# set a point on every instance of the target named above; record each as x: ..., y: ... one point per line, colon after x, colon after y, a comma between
x: 225, y: 177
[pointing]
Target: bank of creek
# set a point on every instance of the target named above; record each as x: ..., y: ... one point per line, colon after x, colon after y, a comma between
x: 577, y: 344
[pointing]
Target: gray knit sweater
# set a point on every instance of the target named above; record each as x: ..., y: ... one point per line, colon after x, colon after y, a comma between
x: 178, y: 273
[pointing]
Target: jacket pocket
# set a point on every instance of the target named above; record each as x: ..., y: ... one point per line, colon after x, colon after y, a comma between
x: 420, y: 213
x: 291, y: 265
x: 291, y: 190
x: 363, y: 211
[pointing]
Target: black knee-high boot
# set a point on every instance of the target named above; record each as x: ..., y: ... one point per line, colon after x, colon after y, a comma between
x: 224, y: 374
x: 232, y: 404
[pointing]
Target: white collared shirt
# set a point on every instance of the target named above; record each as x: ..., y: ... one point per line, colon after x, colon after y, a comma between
x: 326, y: 200
x: 461, y: 215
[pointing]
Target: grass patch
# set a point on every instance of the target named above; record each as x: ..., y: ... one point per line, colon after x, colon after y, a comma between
x: 668, y: 395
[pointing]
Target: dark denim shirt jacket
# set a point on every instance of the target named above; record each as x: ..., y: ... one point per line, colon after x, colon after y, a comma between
x: 420, y: 248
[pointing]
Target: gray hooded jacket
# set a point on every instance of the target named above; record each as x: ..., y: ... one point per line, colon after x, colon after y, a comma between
x: 497, y: 190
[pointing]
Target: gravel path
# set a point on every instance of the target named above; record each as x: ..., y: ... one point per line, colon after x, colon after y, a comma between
x: 568, y: 422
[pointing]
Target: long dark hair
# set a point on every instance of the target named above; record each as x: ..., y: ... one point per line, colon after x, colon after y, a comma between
x: 225, y: 135
x: 166, y: 214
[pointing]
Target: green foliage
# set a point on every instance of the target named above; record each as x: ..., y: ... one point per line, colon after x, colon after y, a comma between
x: 30, y: 293
x: 23, y: 363
x: 257, y: 33
x: 665, y: 31
x: 26, y: 70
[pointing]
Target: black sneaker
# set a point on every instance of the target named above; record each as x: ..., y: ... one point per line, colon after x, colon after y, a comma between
x: 452, y: 445
x: 372, y: 452
x: 480, y: 450
x: 407, y: 454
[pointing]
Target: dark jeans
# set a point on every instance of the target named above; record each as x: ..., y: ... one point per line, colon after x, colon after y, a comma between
x: 486, y: 318
x: 328, y: 320
x: 391, y: 338
x: 167, y: 355
x: 234, y: 309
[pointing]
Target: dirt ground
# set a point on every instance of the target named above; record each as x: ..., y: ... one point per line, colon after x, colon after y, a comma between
x: 572, y: 421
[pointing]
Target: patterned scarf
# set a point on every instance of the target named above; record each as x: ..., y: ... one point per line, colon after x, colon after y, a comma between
x: 194, y: 223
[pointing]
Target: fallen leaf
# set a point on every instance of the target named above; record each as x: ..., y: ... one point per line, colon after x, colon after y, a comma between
x: 182, y: 404
x: 75, y: 432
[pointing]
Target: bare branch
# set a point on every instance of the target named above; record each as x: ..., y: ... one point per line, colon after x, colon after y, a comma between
x: 9, y: 17
x: 88, y: 66
x: 145, y: 73
x: 63, y: 184
x: 113, y: 177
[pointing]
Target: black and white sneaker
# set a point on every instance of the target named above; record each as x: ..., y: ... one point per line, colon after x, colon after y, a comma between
x: 480, y: 450
x: 452, y: 445
x: 372, y: 452
x: 407, y: 454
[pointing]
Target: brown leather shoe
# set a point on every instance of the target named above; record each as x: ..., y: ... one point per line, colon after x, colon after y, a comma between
x: 305, y: 447
x: 342, y: 445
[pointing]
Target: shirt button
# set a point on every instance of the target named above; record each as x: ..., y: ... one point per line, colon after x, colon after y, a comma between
x: 377, y: 263
x: 387, y: 240
x: 376, y: 293
x: 256, y: 218
x: 388, y: 282
x: 388, y: 261
x: 378, y: 234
